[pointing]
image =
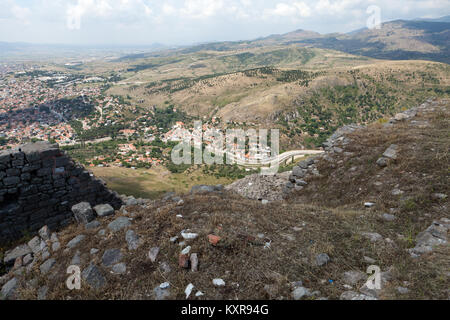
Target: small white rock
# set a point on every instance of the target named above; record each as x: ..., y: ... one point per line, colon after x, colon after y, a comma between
x: 189, y: 235
x: 188, y: 290
x: 348, y: 287
x: 164, y: 285
x: 186, y: 250
x: 218, y: 282
x: 153, y: 254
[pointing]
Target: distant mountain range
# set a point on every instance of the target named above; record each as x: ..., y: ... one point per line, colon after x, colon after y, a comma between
x: 441, y: 19
x: 395, y: 40
x: 426, y: 39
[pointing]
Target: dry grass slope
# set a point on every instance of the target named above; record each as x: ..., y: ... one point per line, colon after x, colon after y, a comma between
x: 327, y: 218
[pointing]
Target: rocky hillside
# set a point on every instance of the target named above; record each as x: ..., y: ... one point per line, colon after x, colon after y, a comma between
x: 377, y: 196
x: 395, y: 40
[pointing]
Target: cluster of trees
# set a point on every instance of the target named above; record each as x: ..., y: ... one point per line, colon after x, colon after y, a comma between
x: 3, y: 141
x: 368, y: 99
x: 165, y: 118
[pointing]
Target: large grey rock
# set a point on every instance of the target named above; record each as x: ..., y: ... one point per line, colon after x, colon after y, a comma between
x: 111, y: 257
x: 47, y: 266
x: 9, y: 289
x: 45, y: 254
x: 391, y: 152
x: 132, y: 239
x: 298, y: 172
x: 119, y: 268
x: 131, y: 201
x: 56, y: 246
x: 17, y: 252
x: 161, y: 293
x: 322, y: 259
x: 76, y: 241
x: 92, y: 225
x: 94, y: 276
x: 35, y: 245
x: 83, y: 213
x: 104, y: 210
x: 119, y: 224
x: 436, y: 234
x: 299, y: 293
x: 153, y: 254
x: 44, y: 233
x: 27, y: 259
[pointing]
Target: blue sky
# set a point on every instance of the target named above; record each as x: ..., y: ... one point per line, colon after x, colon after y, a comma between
x: 133, y: 22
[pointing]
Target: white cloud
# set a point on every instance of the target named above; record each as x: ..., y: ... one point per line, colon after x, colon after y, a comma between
x: 292, y: 10
x: 22, y: 14
x: 169, y: 10
x: 182, y: 21
x: 200, y: 9
x: 334, y: 7
x: 122, y: 11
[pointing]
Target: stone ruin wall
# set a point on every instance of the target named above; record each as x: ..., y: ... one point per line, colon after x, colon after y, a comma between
x: 38, y: 186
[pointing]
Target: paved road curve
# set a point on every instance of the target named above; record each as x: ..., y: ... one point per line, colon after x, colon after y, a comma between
x: 280, y: 158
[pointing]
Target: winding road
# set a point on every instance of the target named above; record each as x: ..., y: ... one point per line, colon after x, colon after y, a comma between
x: 280, y: 158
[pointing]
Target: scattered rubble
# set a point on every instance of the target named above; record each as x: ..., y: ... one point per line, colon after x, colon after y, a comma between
x: 436, y: 234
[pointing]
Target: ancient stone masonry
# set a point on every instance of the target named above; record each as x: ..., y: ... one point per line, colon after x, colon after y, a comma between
x: 39, y: 185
